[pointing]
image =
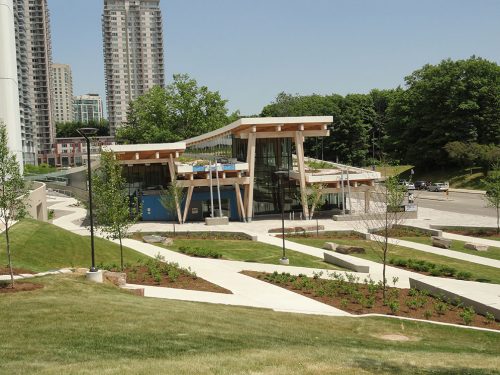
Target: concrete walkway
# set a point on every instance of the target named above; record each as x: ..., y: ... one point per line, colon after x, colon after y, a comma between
x: 248, y: 291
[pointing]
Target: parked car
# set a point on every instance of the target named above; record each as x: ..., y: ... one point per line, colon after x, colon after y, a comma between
x: 407, y: 185
x: 438, y: 186
x: 420, y: 185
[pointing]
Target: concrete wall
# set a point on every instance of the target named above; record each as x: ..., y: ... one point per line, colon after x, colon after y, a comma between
x: 37, y: 202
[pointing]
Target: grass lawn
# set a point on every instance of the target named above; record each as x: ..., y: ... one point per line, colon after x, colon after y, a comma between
x: 74, y: 327
x: 40, y: 246
x: 492, y: 253
x: 457, y: 177
x: 252, y: 251
x: 373, y: 252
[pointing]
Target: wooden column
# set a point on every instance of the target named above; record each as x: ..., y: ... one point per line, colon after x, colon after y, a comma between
x: 239, y: 200
x: 171, y: 166
x: 251, y: 171
x: 367, y: 200
x: 188, y: 203
x: 299, y: 148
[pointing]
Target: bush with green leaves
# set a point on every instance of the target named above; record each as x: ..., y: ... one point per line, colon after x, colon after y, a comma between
x: 200, y: 252
x: 467, y: 315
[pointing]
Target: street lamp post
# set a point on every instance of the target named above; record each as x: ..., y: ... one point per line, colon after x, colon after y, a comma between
x: 280, y: 174
x: 86, y: 133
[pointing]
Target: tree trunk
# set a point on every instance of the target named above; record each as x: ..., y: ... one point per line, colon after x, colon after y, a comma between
x: 121, y: 250
x: 7, y: 240
x: 498, y: 219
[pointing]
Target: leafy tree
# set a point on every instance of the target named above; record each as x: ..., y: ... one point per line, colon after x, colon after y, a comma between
x: 70, y: 129
x: 384, y: 215
x: 182, y: 110
x: 492, y: 184
x: 171, y: 198
x: 111, y: 200
x: 470, y: 154
x: 451, y: 101
x: 13, y: 192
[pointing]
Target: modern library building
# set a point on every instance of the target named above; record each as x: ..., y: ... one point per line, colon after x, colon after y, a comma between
x: 248, y: 169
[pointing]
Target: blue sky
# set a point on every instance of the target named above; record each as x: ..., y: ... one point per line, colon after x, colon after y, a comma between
x: 250, y: 50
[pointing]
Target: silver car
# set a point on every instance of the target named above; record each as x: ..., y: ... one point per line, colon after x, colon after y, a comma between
x: 438, y: 186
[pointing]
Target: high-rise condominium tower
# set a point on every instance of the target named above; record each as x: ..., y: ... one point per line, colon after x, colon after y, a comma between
x: 34, y: 61
x: 63, y: 92
x: 87, y: 108
x: 133, y: 53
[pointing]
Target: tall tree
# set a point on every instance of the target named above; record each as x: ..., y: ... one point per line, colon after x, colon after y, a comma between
x: 492, y: 184
x: 70, y: 129
x: 451, y: 101
x: 181, y: 110
x: 13, y: 192
x: 112, y: 205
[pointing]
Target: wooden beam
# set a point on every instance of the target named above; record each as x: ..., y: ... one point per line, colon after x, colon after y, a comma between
x: 188, y: 203
x: 171, y: 166
x: 299, y: 147
x: 251, y: 174
x: 222, y: 181
x: 143, y: 161
x: 286, y: 134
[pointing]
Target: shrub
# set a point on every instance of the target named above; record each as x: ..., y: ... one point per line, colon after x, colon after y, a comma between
x: 427, y: 314
x: 464, y: 275
x: 467, y: 315
x: 200, y: 252
x: 343, y: 303
x: 394, y: 306
x: 441, y: 307
x: 448, y: 271
x: 490, y: 318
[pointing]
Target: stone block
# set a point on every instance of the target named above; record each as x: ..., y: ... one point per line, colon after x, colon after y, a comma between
x: 217, y: 220
x: 153, y: 239
x: 476, y: 246
x: 168, y: 241
x: 346, y: 249
x: 443, y: 243
x: 117, y: 278
x: 330, y: 246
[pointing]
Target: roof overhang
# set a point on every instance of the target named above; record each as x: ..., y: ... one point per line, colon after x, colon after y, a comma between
x: 146, y: 153
x: 269, y: 127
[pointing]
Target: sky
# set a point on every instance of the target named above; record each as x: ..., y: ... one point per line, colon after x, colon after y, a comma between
x: 251, y: 50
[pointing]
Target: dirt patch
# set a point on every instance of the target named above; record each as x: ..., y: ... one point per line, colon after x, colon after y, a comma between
x: 18, y: 287
x: 17, y: 271
x: 141, y: 275
x: 482, y: 233
x: 366, y: 297
x: 394, y: 337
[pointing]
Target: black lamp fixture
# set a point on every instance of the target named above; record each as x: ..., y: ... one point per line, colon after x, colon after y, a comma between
x: 281, y: 174
x: 87, y: 133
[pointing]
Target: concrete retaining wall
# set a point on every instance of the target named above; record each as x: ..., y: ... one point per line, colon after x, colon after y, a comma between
x: 342, y: 261
x: 37, y: 202
x: 479, y: 307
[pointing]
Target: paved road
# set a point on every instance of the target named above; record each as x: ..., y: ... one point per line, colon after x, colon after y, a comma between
x: 465, y: 203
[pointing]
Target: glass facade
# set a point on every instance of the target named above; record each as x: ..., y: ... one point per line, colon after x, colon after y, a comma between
x: 143, y: 179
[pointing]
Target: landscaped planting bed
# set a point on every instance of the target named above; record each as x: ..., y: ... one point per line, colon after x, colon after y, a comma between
x: 461, y: 269
x: 19, y: 286
x: 420, y: 236
x: 157, y: 272
x: 350, y: 294
x: 488, y: 233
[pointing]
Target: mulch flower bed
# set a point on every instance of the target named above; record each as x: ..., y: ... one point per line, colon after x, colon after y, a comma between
x: 157, y: 272
x: 17, y: 271
x: 350, y: 294
x: 18, y: 287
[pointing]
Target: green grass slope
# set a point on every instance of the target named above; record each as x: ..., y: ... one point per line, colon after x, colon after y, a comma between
x: 75, y: 327
x: 40, y: 246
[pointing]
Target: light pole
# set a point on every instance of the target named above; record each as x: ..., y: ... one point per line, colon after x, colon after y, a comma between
x: 281, y: 174
x: 86, y: 133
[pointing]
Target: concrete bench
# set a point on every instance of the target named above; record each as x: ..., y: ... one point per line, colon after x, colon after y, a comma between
x: 342, y: 261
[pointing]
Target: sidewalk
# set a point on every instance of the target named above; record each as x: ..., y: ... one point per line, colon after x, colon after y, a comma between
x: 467, y: 191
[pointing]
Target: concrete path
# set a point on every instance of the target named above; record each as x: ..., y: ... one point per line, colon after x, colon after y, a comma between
x: 248, y: 291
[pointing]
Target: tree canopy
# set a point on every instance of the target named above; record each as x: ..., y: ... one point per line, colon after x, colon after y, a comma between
x: 453, y: 101
x: 70, y: 129
x: 179, y: 111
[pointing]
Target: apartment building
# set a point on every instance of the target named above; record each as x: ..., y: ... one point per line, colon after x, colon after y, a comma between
x: 87, y: 108
x: 133, y: 53
x: 62, y: 92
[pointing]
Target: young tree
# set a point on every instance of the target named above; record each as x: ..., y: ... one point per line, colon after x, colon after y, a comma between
x: 492, y: 183
x: 171, y: 198
x: 112, y: 205
x: 314, y: 192
x: 385, y: 214
x: 13, y: 191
